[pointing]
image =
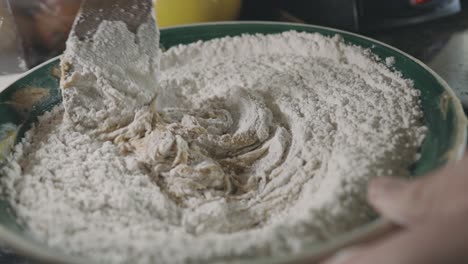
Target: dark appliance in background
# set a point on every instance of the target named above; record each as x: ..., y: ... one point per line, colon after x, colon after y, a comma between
x: 354, y: 15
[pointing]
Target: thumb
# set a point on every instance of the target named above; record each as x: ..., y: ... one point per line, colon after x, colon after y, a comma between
x: 407, y: 202
x: 402, y: 201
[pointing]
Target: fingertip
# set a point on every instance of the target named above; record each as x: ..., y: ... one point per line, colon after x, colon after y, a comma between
x: 388, y: 196
x: 343, y: 257
x: 384, y: 187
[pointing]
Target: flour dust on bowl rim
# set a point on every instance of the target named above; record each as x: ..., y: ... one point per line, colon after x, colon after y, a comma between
x: 38, y: 91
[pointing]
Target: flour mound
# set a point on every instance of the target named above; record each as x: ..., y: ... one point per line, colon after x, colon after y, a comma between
x: 254, y: 145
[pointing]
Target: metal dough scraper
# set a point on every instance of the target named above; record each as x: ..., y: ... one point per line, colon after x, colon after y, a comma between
x: 132, y: 12
x: 97, y: 72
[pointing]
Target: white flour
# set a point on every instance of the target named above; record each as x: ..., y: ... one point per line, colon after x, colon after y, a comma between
x: 109, y: 78
x: 254, y: 146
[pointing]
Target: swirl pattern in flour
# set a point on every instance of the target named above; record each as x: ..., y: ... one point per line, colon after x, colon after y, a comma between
x: 256, y: 145
x: 224, y: 150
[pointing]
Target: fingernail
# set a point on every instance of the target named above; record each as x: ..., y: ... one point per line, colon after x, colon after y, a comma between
x: 385, y: 186
x: 342, y: 257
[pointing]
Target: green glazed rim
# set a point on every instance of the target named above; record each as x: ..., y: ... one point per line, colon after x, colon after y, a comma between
x: 38, y: 91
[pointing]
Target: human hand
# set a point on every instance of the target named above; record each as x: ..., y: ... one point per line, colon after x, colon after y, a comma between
x: 433, y: 212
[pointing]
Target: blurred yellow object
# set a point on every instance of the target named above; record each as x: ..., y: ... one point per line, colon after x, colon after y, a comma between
x: 177, y: 12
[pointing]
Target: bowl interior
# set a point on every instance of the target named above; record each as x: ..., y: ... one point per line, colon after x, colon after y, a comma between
x: 37, y: 92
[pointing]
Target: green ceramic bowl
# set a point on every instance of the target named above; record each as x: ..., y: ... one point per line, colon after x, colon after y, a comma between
x: 38, y: 91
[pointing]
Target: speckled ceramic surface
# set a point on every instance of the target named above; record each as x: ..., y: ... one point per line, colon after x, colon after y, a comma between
x: 38, y: 91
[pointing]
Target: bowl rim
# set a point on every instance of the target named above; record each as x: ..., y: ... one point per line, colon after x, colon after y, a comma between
x: 30, y: 250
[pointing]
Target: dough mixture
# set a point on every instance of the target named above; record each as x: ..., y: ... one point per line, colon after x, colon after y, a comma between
x: 256, y: 145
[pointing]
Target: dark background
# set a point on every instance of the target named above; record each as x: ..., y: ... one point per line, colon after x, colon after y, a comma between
x: 442, y: 44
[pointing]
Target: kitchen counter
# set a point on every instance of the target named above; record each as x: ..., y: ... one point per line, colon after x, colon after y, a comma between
x: 442, y: 44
